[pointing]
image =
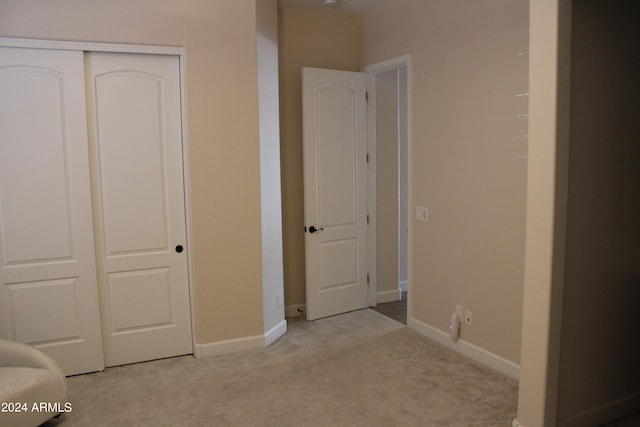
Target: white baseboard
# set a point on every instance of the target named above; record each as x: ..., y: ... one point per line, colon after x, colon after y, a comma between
x: 404, y: 286
x: 295, y: 310
x: 238, y: 345
x: 274, y: 333
x: 604, y: 413
x: 467, y: 349
x: 516, y: 423
x: 389, y: 296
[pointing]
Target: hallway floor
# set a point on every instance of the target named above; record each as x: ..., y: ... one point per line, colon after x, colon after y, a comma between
x: 396, y: 310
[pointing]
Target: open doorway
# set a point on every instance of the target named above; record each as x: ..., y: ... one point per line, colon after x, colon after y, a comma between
x: 389, y: 140
x: 382, y: 212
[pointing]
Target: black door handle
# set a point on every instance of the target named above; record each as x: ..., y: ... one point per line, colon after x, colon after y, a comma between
x: 313, y: 229
x: 179, y: 248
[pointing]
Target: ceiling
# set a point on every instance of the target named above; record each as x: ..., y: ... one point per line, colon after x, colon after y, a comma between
x: 348, y: 6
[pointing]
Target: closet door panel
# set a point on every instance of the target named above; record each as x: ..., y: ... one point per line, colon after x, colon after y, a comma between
x: 136, y: 140
x: 33, y: 158
x: 48, y: 285
x: 132, y: 162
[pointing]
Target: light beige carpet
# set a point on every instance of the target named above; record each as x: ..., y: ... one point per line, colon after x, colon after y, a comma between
x: 356, y: 369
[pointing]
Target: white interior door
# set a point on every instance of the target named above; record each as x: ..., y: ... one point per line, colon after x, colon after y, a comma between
x: 335, y: 187
x: 136, y: 143
x: 48, y: 292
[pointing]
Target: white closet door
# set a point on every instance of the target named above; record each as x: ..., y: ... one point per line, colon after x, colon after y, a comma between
x: 48, y: 290
x: 135, y: 128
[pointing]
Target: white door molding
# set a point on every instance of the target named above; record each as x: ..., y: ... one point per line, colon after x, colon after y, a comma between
x: 90, y: 46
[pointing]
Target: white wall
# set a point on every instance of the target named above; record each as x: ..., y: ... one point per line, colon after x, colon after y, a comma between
x: 270, y: 194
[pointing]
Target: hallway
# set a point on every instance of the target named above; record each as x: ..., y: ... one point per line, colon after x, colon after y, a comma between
x: 396, y: 310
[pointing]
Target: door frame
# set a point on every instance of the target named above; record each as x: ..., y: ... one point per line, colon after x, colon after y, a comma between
x: 371, y: 71
x: 178, y: 51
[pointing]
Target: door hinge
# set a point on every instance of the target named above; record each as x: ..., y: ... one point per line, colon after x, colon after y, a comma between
x: 367, y: 157
x: 366, y: 96
x: 367, y: 218
x: 367, y: 278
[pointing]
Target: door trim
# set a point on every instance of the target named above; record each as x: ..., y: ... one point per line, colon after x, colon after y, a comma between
x: 91, y: 46
x: 371, y: 71
x: 178, y: 51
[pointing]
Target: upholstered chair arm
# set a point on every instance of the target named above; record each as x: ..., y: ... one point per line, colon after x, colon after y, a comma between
x: 14, y: 354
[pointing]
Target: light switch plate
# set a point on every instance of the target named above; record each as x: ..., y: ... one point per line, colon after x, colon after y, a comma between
x: 422, y: 213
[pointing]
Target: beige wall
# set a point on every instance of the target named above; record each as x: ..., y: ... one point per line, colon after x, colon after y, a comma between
x: 386, y: 104
x: 307, y: 39
x: 403, y: 165
x: 579, y: 357
x: 468, y: 158
x: 599, y: 374
x: 546, y: 211
x: 222, y: 101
